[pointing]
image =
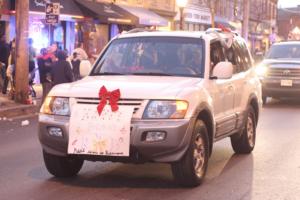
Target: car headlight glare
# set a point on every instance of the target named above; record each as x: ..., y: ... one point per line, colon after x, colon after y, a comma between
x: 56, y: 106
x: 165, y: 110
x: 261, y: 70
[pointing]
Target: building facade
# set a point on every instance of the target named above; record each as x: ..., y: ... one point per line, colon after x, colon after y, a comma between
x: 95, y: 22
x: 289, y: 23
x: 262, y: 23
x: 262, y: 19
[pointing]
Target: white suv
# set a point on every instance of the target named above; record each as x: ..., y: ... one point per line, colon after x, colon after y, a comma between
x: 155, y: 97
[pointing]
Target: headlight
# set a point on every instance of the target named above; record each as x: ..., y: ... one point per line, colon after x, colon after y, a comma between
x: 165, y: 110
x: 261, y: 70
x: 56, y: 106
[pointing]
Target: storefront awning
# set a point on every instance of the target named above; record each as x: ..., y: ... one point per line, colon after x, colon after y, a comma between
x: 67, y: 7
x: 146, y: 17
x: 106, y: 12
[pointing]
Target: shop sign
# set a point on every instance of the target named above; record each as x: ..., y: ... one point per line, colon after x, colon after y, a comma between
x: 52, y: 13
x: 196, y: 16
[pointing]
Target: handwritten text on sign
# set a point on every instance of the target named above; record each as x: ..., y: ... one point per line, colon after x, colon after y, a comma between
x: 107, y: 134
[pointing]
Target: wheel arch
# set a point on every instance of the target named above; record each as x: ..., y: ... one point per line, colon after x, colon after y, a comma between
x: 253, y: 101
x: 206, y: 116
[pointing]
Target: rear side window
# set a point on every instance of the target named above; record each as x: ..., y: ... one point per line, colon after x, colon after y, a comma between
x: 239, y: 56
x: 246, y: 56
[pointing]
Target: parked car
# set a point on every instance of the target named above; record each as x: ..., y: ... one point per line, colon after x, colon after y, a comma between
x: 280, y: 71
x: 162, y: 97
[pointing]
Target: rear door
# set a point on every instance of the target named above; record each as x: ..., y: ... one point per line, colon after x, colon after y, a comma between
x: 242, y: 63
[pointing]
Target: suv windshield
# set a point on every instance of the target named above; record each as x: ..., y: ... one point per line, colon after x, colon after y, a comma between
x: 154, y: 56
x: 284, y: 51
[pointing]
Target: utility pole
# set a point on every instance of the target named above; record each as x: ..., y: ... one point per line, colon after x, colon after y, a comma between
x: 212, y: 7
x: 22, y: 62
x: 181, y: 18
x: 246, y: 13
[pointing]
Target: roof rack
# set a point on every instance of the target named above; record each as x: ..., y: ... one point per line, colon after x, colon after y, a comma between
x: 226, y: 41
x: 219, y: 30
x: 138, y: 30
x: 213, y: 30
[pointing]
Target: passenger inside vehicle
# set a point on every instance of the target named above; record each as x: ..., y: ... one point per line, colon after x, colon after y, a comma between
x: 216, y: 55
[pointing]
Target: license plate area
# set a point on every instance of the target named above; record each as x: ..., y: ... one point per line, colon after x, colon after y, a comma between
x: 286, y: 83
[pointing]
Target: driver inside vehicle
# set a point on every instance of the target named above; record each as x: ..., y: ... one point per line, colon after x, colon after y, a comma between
x: 149, y: 57
x: 194, y: 60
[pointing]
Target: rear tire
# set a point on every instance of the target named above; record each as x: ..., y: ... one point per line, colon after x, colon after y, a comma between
x: 60, y: 166
x: 191, y: 169
x: 244, y: 142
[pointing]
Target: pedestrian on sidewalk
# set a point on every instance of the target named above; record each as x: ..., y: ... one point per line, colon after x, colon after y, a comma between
x: 32, y: 68
x: 4, y: 55
x: 44, y: 61
x: 78, y: 57
x: 81, y: 54
x: 61, y: 71
x: 11, y: 69
x: 75, y: 61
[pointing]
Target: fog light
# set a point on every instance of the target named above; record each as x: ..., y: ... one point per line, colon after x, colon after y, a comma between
x: 154, y: 136
x: 54, y: 131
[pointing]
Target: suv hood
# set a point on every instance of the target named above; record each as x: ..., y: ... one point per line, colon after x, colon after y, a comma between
x: 131, y: 87
x: 282, y: 63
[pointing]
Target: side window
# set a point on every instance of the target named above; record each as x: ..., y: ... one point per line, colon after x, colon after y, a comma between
x: 238, y: 57
x: 231, y: 56
x: 247, y: 58
x: 216, y: 54
x: 243, y: 56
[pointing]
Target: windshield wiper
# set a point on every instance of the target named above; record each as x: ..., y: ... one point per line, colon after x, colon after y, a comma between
x: 107, y: 73
x: 151, y: 74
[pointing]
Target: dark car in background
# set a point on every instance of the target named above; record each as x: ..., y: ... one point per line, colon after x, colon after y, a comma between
x: 279, y: 72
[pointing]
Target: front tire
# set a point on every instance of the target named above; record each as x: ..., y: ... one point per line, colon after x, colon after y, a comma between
x: 60, y: 166
x: 191, y: 169
x: 244, y: 142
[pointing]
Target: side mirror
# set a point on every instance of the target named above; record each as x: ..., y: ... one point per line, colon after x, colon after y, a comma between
x: 223, y: 70
x: 85, y: 68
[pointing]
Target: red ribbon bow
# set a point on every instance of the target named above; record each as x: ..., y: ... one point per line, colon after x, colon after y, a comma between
x: 223, y: 28
x: 113, y: 98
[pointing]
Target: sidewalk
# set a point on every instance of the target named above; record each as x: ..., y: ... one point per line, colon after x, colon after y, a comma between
x: 9, y: 109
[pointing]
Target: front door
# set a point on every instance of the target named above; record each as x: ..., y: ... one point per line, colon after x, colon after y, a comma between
x: 223, y: 92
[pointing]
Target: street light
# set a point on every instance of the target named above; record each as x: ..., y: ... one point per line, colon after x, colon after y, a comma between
x: 181, y: 4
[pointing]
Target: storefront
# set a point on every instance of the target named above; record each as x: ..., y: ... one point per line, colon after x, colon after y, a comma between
x: 103, y: 22
x: 259, y: 34
x: 111, y: 19
x: 62, y: 33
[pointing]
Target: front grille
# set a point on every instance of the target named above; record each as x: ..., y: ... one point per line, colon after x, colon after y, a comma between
x: 122, y: 102
x: 284, y: 73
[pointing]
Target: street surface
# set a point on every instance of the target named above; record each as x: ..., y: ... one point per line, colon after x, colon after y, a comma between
x: 271, y: 172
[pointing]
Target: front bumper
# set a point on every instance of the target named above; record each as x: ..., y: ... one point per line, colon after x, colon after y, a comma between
x: 171, y: 149
x: 272, y: 87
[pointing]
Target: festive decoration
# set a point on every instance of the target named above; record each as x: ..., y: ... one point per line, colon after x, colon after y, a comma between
x: 112, y: 97
x: 223, y: 28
